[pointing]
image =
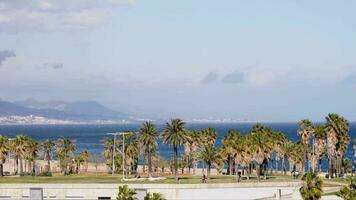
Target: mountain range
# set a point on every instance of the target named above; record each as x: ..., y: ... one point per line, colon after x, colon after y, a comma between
x: 79, y: 110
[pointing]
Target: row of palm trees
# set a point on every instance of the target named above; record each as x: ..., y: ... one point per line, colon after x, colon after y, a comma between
x: 260, y: 150
x: 26, y: 150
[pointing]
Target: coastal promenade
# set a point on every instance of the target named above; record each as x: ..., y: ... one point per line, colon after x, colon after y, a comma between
x: 223, y: 191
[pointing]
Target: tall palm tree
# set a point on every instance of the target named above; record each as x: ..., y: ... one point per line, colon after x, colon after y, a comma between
x: 261, y: 147
x: 4, y: 151
x: 48, y: 147
x: 78, y: 162
x: 320, y: 144
x: 86, y: 156
x: 65, y: 149
x: 175, y: 134
x: 312, y: 187
x: 195, y: 144
x: 285, y: 151
x: 229, y: 147
x: 19, y: 145
x: 247, y: 154
x: 148, y: 139
x: 338, y: 139
x: 31, y: 154
x: 209, y: 155
x: 132, y: 151
x: 278, y: 140
x: 306, y: 129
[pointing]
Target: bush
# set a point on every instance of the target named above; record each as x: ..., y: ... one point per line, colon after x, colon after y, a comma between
x: 312, y: 187
x: 349, y: 192
x: 27, y: 174
x: 45, y: 174
x: 126, y: 193
x: 154, y: 196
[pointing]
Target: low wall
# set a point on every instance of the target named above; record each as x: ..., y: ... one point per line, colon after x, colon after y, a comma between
x: 170, y: 191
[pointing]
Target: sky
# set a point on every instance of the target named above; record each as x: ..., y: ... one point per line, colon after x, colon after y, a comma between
x: 254, y: 60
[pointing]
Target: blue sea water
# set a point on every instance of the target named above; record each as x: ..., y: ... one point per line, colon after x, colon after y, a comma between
x: 91, y: 136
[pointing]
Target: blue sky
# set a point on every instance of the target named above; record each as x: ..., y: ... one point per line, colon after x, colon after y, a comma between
x: 257, y: 60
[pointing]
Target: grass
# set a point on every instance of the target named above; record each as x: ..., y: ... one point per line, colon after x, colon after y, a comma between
x: 107, y: 178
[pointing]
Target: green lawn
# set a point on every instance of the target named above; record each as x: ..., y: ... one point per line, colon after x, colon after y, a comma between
x: 106, y: 178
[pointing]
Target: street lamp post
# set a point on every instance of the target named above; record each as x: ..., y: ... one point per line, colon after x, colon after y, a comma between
x: 123, y: 151
x: 123, y: 154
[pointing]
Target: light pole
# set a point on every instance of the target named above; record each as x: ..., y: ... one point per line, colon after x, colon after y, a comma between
x: 113, y: 152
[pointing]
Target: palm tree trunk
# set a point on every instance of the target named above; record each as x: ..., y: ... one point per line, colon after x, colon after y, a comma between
x: 25, y: 167
x: 304, y: 158
x: 21, y: 166
x: 283, y: 169
x: 276, y: 167
x: 195, y: 166
x: 230, y: 165
x: 149, y: 159
x: 237, y: 174
x: 209, y: 170
x: 34, y: 166
x: 1, y: 169
x: 48, y: 163
x: 258, y: 171
x: 175, y: 162
x: 16, y: 165
x: 144, y: 164
x: 330, y: 168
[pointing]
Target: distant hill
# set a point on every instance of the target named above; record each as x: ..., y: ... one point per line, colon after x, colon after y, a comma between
x: 81, y: 110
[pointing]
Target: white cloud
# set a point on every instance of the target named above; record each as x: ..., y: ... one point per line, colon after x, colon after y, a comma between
x: 53, y: 15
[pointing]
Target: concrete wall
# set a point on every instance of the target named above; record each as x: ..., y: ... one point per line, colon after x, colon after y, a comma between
x: 170, y: 191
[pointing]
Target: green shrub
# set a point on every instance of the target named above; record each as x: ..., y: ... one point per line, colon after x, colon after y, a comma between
x: 154, y: 196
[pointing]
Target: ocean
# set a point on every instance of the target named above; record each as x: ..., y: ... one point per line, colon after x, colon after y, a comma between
x: 91, y: 136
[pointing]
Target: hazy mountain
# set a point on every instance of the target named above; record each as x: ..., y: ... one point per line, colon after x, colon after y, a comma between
x: 81, y: 110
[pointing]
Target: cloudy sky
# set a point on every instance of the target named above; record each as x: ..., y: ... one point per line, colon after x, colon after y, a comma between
x: 259, y: 60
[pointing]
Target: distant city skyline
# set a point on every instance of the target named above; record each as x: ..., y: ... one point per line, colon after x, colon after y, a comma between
x: 255, y: 60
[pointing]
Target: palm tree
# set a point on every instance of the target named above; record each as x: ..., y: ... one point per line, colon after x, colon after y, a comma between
x: 148, y: 139
x: 229, y: 147
x: 312, y: 187
x: 65, y: 149
x: 285, y: 151
x: 19, y: 145
x: 320, y: 144
x: 195, y: 143
x: 187, y: 151
x: 126, y: 193
x: 132, y: 151
x: 78, y: 161
x: 306, y: 129
x: 86, y: 156
x: 261, y: 145
x: 338, y: 139
x: 47, y: 147
x: 259, y: 151
x: 4, y: 150
x: 154, y: 196
x: 209, y: 136
x: 209, y: 155
x: 176, y: 135
x: 31, y: 154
